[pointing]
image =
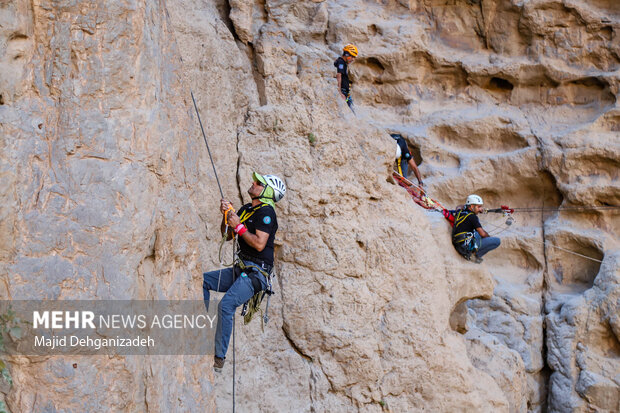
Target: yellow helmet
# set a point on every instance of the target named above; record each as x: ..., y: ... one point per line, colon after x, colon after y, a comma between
x: 350, y: 49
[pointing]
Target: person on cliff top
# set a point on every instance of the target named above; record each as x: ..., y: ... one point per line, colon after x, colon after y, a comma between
x: 255, y: 225
x: 468, y: 237
x: 349, y: 53
x: 404, y: 158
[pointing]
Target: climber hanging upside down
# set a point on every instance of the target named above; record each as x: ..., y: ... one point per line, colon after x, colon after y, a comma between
x: 468, y: 237
x: 255, y: 226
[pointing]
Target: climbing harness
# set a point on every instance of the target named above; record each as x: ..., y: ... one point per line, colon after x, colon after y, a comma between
x: 349, y: 100
x: 253, y: 304
x: 465, y: 242
x: 399, y: 165
x: 245, y: 215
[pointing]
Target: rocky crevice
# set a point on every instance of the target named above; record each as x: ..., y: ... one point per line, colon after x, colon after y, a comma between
x: 546, y: 370
x: 259, y: 78
x: 223, y: 8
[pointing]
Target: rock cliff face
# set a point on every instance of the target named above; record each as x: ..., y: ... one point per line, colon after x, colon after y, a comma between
x: 108, y: 193
x: 97, y: 168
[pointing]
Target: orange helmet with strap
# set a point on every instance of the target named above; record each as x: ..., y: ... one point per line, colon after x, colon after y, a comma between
x: 350, y: 49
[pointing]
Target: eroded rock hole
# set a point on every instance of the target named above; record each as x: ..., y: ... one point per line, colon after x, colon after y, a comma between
x: 18, y: 36
x: 591, y: 82
x: 574, y: 263
x: 477, y: 136
x: 607, y: 33
x: 545, y: 191
x: 588, y: 90
x: 417, y: 154
x: 1, y: 100
x: 373, y: 62
x: 442, y: 159
x: 375, y: 66
x: 458, y: 318
x: 501, y: 84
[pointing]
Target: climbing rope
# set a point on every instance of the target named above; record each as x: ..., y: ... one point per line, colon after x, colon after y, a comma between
x: 497, y: 227
x: 545, y: 243
x: 234, y: 328
x: 510, y: 221
x: 418, y: 194
x: 204, y: 136
x: 220, y: 258
x: 569, y: 208
x: 207, y: 143
x: 225, y: 237
x: 507, y: 213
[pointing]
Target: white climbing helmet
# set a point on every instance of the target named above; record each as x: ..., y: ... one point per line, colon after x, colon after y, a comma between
x: 474, y: 200
x: 279, y: 189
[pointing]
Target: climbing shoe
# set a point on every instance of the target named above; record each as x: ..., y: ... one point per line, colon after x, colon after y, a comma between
x: 478, y: 260
x: 218, y: 363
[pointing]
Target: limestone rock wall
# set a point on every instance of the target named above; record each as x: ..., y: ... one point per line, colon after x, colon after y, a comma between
x: 516, y: 101
x: 99, y: 161
x: 338, y: 304
x: 109, y: 194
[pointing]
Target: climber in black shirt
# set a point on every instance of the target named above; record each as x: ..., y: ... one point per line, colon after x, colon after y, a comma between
x: 349, y: 53
x: 255, y: 225
x: 405, y: 159
x: 468, y: 237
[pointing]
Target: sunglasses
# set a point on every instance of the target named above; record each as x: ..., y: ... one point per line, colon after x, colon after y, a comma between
x: 259, y: 183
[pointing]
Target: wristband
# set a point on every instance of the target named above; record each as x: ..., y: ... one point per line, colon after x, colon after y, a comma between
x: 240, y: 229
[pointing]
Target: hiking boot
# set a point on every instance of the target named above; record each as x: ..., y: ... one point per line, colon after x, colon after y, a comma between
x: 218, y: 363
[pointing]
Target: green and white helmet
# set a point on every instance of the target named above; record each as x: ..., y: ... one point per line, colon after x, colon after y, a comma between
x: 274, y: 190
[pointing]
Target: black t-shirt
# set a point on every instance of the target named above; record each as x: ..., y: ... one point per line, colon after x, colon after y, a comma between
x: 342, y: 68
x: 404, y: 149
x: 464, y: 222
x: 263, y: 218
